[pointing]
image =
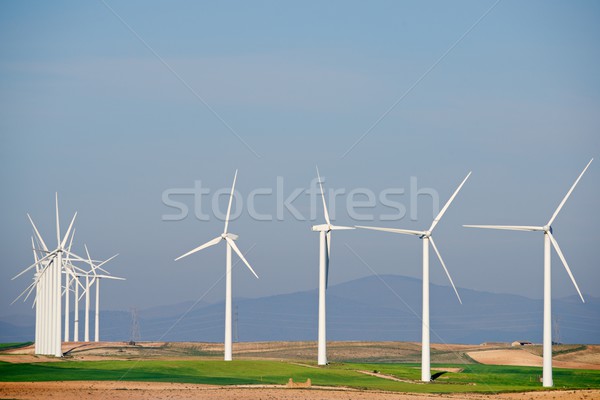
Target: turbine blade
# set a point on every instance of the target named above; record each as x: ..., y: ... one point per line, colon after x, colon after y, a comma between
x: 327, y: 257
x: 104, y: 262
x: 341, y: 228
x: 441, y: 213
x: 239, y: 253
x: 64, y: 241
x: 562, y: 203
x: 325, y: 212
x: 203, y: 246
x: 116, y: 278
x: 37, y: 233
x: 394, y: 230
x: 75, y: 257
x: 57, y: 222
x: 71, y: 241
x: 35, y: 257
x: 445, y: 269
x: 69, y: 254
x: 508, y: 227
x: 76, y: 278
x: 32, y: 286
x: 93, y: 269
x: 41, y: 260
x: 230, y: 201
x: 23, y: 292
x: 564, y: 261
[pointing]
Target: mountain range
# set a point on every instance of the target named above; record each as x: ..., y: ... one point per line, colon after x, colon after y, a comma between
x: 374, y: 308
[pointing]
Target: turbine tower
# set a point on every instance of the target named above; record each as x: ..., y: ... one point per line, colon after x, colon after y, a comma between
x: 229, y: 239
x: 69, y: 271
x: 427, y: 238
x: 549, y: 241
x: 324, y: 253
x: 38, y: 295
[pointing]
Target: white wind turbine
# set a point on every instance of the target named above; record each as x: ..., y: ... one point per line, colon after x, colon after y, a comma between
x: 427, y: 238
x: 49, y: 275
x: 324, y: 253
x: 70, y: 276
x: 229, y: 239
x: 548, y: 241
x: 88, y: 286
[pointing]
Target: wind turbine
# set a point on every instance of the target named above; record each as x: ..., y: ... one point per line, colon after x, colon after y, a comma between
x: 69, y: 271
x: 229, y: 239
x: 50, y: 274
x: 324, y: 253
x: 96, y: 279
x: 427, y: 238
x: 72, y: 274
x: 548, y: 240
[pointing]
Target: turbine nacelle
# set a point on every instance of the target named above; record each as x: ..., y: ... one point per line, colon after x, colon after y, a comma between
x: 230, y: 236
x: 329, y: 228
x: 321, y: 228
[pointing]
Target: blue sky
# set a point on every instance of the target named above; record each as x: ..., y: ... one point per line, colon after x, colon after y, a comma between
x: 89, y: 110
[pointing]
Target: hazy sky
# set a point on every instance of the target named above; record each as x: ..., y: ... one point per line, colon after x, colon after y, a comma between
x: 113, y: 104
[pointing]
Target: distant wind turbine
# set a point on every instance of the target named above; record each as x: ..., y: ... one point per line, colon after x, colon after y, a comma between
x: 324, y: 253
x: 427, y: 238
x: 96, y: 279
x: 548, y: 241
x: 229, y: 239
x: 50, y: 274
x: 70, y: 277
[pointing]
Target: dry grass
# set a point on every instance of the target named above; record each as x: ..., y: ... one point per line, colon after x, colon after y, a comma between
x: 567, y: 356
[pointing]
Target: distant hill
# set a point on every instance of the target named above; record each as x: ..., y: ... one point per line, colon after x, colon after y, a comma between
x: 373, y: 308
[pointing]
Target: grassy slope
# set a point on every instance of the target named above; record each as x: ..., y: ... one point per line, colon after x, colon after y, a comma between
x: 480, y: 378
x: 16, y: 345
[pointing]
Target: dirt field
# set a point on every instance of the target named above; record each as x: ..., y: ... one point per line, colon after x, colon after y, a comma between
x: 589, y: 359
x: 569, y: 356
x: 174, y: 391
x: 289, y: 351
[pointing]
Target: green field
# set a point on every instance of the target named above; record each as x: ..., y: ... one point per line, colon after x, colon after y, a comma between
x: 15, y: 345
x: 473, y: 378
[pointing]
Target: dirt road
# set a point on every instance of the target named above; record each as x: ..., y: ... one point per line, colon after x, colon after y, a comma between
x: 182, y: 391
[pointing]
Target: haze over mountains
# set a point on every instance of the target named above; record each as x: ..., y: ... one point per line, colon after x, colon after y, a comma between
x: 371, y: 308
